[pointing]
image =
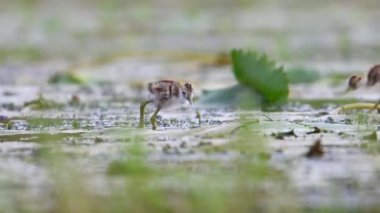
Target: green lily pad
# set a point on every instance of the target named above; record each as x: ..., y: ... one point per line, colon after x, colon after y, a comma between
x: 260, y: 73
x: 260, y: 82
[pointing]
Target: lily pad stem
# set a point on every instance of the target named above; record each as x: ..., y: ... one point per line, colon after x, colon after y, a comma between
x: 356, y: 106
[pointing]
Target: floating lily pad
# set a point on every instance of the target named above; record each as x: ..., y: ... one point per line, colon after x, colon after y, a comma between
x: 260, y: 73
x: 260, y: 82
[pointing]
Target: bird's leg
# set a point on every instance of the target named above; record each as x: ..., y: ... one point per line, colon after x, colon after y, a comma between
x: 153, y: 118
x: 142, y: 107
x: 198, y: 115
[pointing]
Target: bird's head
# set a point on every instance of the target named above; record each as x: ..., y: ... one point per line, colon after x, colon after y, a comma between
x: 187, y: 92
x: 354, y: 82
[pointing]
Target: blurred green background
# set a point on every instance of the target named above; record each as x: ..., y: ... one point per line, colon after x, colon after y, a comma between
x: 294, y: 31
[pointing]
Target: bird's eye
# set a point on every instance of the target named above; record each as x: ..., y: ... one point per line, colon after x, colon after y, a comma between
x: 183, y: 93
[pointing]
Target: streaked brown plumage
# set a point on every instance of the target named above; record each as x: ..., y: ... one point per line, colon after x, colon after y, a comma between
x: 166, y: 93
x: 373, y: 77
x: 354, y: 81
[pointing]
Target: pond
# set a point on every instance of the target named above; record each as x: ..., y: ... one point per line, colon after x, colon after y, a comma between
x: 72, y: 79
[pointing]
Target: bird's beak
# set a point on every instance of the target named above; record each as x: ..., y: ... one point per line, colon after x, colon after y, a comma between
x: 190, y: 101
x: 348, y: 89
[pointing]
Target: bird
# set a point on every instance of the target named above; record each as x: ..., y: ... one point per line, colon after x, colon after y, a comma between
x: 356, y: 81
x: 164, y: 94
x: 373, y: 77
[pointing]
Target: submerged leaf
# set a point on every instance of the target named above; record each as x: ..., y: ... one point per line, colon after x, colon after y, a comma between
x: 237, y: 95
x: 259, y: 73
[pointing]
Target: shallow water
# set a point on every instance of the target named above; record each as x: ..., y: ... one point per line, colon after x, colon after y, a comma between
x: 93, y: 133
x: 117, y: 60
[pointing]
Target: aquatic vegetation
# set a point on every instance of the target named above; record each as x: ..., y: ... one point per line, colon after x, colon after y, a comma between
x: 302, y: 75
x: 261, y: 74
x: 371, y: 137
x: 37, y: 137
x: 68, y: 77
x: 85, y: 155
x: 356, y: 106
x: 76, y: 124
x: 212, y: 185
x: 21, y: 53
x: 42, y: 103
x: 237, y: 95
x: 260, y: 82
x: 41, y: 123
